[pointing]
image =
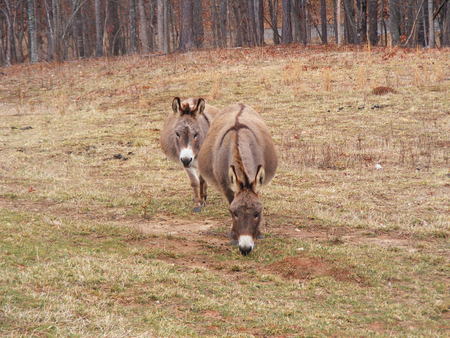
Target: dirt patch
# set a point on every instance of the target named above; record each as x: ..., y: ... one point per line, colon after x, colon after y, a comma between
x: 172, y: 226
x: 307, y: 268
x: 382, y: 90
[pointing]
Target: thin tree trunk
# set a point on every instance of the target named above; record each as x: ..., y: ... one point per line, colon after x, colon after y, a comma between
x: 394, y: 21
x: 323, y: 19
x: 133, y: 23
x: 197, y: 23
x: 286, y: 30
x: 223, y: 19
x: 259, y: 18
x: 431, y: 24
x: 444, y: 22
x: 296, y: 21
x: 163, y: 26
x: 8, y: 38
x: 186, y: 38
x: 251, y: 23
x: 98, y: 29
x: 338, y: 22
x: 143, y: 36
x: 77, y: 29
x: 273, y: 11
x: 350, y: 24
x: 32, y: 31
x: 115, y: 38
x: 372, y: 13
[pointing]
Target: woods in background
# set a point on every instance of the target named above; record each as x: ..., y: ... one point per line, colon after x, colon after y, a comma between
x: 35, y: 30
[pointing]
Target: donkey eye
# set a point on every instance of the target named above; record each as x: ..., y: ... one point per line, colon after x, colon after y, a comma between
x: 177, y: 134
x: 235, y: 214
x: 195, y: 135
x: 256, y: 214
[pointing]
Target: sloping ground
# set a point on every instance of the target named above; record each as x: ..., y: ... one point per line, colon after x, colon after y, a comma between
x: 356, y: 219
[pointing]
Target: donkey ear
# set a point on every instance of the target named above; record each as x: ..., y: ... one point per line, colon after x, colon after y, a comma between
x: 200, y: 106
x: 234, y: 184
x: 176, y: 105
x: 259, y: 178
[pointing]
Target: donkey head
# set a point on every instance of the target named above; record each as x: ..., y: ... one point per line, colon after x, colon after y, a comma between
x: 188, y: 134
x: 246, y: 209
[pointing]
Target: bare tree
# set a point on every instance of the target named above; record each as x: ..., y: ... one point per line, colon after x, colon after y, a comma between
x: 394, y: 21
x: 338, y: 23
x: 444, y: 22
x: 431, y: 24
x: 259, y: 18
x: 163, y: 26
x: 323, y: 20
x: 133, y: 24
x: 372, y: 14
x: 98, y: 29
x: 186, y: 33
x: 32, y: 31
x: 143, y: 36
x: 197, y: 23
x: 273, y: 12
x: 286, y: 30
x: 350, y: 27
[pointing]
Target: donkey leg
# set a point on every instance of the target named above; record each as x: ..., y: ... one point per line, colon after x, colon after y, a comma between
x: 203, y: 190
x: 195, y: 184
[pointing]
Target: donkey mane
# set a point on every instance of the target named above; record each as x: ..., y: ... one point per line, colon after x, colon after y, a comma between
x: 237, y: 153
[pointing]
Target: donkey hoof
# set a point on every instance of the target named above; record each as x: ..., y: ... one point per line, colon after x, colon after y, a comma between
x: 197, y: 209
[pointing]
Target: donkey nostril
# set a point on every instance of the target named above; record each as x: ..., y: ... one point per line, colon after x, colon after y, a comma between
x: 186, y: 161
x: 245, y: 250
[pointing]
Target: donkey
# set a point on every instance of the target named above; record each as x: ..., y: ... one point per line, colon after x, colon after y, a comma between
x: 238, y: 156
x: 182, y: 135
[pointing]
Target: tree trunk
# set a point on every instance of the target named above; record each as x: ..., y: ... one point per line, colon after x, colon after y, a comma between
x: 133, y: 24
x: 143, y: 36
x: 9, y: 37
x: 197, y: 23
x: 115, y: 36
x: 431, y: 24
x: 273, y: 12
x: 286, y: 30
x: 296, y: 21
x: 444, y: 23
x: 163, y: 26
x: 372, y: 13
x: 323, y: 19
x: 259, y: 18
x: 186, y: 38
x: 77, y: 28
x: 251, y: 23
x: 394, y: 21
x: 349, y: 22
x: 362, y: 18
x: 98, y: 29
x: 223, y: 19
x: 338, y: 22
x: 32, y: 31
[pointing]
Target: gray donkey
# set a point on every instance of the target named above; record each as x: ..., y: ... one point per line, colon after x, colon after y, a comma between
x: 182, y: 136
x: 238, y: 156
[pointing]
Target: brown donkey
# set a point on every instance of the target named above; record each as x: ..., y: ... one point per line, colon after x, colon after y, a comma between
x: 182, y: 135
x: 238, y: 156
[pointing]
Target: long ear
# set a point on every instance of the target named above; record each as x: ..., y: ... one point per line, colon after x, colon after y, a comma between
x: 259, y: 178
x: 200, y: 106
x: 234, y: 183
x: 176, y: 105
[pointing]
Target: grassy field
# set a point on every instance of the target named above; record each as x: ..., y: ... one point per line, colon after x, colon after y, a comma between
x: 97, y: 236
